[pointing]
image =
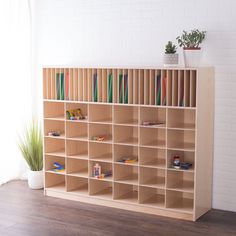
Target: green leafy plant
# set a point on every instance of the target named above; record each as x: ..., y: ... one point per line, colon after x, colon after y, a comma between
x: 170, y: 48
x: 191, y: 39
x: 31, y: 146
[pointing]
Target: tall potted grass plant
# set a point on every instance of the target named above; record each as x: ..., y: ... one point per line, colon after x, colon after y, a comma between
x: 31, y: 147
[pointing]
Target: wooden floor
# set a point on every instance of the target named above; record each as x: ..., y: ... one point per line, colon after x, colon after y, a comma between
x: 26, y: 212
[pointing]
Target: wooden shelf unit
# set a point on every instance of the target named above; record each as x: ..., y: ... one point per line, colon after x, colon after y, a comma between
x: 118, y: 104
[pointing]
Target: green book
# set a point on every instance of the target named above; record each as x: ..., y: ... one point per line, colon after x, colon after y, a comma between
x: 125, y: 88
x: 120, y: 88
x: 110, y: 87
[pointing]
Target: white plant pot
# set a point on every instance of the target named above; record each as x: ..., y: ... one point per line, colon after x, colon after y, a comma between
x: 35, y: 179
x: 192, y: 57
x: 171, y: 59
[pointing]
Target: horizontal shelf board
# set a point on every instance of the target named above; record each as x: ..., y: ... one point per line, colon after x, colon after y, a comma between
x: 83, y: 174
x: 185, y: 186
x: 108, y: 141
x: 62, y: 136
x: 183, y: 147
x: 106, y: 122
x: 56, y: 153
x: 82, y: 191
x: 83, y: 156
x: 126, y: 164
x: 182, y: 126
x: 78, y: 138
x: 56, y: 118
x: 181, y: 170
x: 126, y: 124
x: 162, y: 126
x: 103, y: 158
x: 105, y: 193
x: 155, y: 164
x: 154, y: 144
x: 109, y: 178
x: 153, y: 185
x: 58, y: 187
x: 132, y: 179
x: 77, y: 121
x: 132, y: 142
x: 131, y: 197
x: 56, y: 172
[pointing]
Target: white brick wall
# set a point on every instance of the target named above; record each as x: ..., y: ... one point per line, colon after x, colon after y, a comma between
x: 133, y: 33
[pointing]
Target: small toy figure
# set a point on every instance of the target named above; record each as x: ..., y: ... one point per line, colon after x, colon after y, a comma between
x: 185, y: 165
x: 128, y: 160
x: 75, y: 114
x: 58, y: 167
x: 54, y: 133
x: 151, y: 123
x: 97, y: 170
x: 176, y: 162
x: 100, y: 137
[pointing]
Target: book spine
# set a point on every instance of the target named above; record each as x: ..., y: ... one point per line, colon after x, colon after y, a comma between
x: 62, y: 87
x: 58, y: 85
x: 125, y: 88
x: 67, y: 86
x: 158, y: 89
x: 95, y: 88
x: 110, y: 88
x: 120, y: 88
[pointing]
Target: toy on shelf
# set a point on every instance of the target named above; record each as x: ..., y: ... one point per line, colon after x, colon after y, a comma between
x: 54, y: 133
x: 128, y: 160
x: 58, y: 167
x: 97, y: 172
x: 151, y: 123
x: 177, y: 164
x: 75, y: 114
x: 101, y: 138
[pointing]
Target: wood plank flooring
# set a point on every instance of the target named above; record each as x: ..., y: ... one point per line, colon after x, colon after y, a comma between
x: 25, y: 212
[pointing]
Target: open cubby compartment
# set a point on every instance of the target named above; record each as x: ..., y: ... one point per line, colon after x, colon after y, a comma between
x: 126, y: 173
x: 77, y: 130
x: 185, y: 157
x: 180, y: 180
x: 135, y: 87
x: 152, y: 177
x: 49, y: 162
x: 100, y: 113
x: 181, y: 140
x: 153, y: 137
x: 153, y: 197
x: 76, y: 105
x: 126, y: 115
x: 77, y: 149
x: 100, y: 152
x: 103, y: 131
x: 77, y: 167
x: 77, y: 185
x: 180, y: 201
x: 105, y: 167
x: 55, y: 181
x: 151, y: 157
x: 126, y: 135
x: 126, y: 192
x: 181, y: 118
x: 154, y: 115
x: 123, y: 151
x: 54, y: 125
x: 54, y: 110
x: 54, y: 147
x: 102, y: 189
x: 193, y: 87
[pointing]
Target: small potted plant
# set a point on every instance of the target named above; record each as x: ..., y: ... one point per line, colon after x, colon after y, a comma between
x: 170, y: 57
x: 31, y: 147
x: 190, y: 41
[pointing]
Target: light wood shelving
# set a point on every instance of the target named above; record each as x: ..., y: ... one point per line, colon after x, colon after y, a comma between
x: 147, y: 116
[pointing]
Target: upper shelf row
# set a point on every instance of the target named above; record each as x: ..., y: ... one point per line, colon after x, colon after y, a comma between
x: 130, y: 86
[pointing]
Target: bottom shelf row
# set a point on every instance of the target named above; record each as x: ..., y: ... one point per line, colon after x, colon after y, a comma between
x: 154, y: 197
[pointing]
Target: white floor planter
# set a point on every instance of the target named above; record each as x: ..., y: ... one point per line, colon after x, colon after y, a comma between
x: 192, y: 57
x: 35, y: 179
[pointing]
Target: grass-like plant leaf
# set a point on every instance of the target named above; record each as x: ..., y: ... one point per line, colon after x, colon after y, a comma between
x: 31, y: 146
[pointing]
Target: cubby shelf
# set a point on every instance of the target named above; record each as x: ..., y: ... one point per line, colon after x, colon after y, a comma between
x: 133, y: 123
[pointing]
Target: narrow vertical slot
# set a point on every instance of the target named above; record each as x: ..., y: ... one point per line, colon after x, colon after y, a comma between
x: 85, y: 85
x: 186, y: 88
x: 62, y: 84
x: 76, y: 84
x: 53, y: 79
x: 104, y: 85
x: 57, y: 83
x: 125, y: 86
x: 109, y: 78
x: 193, y: 84
x: 94, y: 85
x: 80, y: 84
x: 71, y: 79
x: 152, y: 87
x: 130, y: 86
x: 158, y: 87
x: 49, y: 84
x: 44, y: 83
x: 141, y: 86
x: 146, y: 87
x: 180, y: 88
x: 67, y: 84
x: 135, y: 86
x: 114, y: 75
x: 163, y: 87
x: 169, y: 88
x: 175, y: 88
x: 99, y: 80
x: 90, y: 83
x: 120, y: 86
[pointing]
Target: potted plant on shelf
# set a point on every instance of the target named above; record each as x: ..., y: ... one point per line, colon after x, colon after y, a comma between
x: 31, y: 147
x: 190, y: 41
x: 170, y: 57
